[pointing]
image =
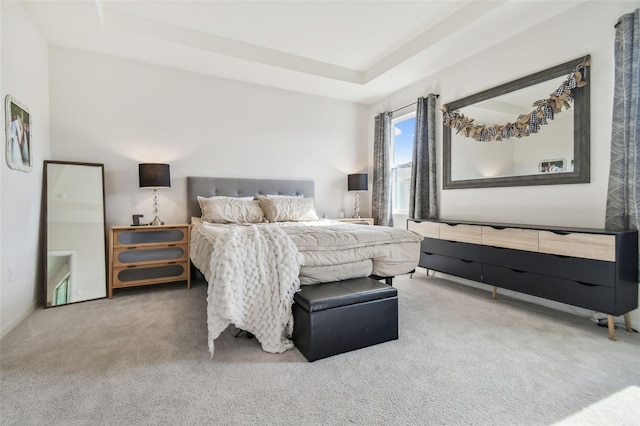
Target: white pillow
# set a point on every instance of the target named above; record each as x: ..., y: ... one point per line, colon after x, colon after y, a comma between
x: 287, y: 209
x: 230, y: 210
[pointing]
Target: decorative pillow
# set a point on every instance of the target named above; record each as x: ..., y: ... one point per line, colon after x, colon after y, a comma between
x: 230, y: 210
x: 287, y: 209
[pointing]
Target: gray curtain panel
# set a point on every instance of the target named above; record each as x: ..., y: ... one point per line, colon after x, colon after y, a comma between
x: 381, y: 191
x: 623, y: 196
x: 423, y: 202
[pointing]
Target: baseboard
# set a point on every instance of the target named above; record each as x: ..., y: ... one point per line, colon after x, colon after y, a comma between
x: 575, y: 310
x: 13, y: 324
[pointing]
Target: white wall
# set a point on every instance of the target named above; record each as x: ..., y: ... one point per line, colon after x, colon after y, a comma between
x: 121, y: 113
x: 588, y: 29
x: 25, y: 76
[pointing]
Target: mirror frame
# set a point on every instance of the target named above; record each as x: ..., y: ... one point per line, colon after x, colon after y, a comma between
x: 45, y: 213
x: 581, y: 134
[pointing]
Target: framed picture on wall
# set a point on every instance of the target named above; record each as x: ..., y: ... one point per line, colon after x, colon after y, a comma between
x: 18, y: 128
x: 555, y: 165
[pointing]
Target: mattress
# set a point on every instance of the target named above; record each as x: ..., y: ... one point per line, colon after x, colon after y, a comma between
x: 329, y: 250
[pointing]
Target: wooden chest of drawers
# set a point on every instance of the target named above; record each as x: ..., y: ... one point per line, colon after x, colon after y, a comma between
x: 143, y: 255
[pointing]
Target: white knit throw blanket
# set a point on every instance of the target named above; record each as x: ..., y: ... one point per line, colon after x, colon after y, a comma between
x: 254, y: 275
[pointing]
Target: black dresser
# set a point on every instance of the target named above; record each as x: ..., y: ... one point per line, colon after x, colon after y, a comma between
x: 594, y: 269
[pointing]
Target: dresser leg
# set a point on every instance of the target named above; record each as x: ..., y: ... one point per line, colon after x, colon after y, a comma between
x: 495, y: 292
x: 627, y: 321
x: 612, y: 330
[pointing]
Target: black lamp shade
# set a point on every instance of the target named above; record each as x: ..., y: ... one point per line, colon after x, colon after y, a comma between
x: 357, y: 182
x: 154, y: 175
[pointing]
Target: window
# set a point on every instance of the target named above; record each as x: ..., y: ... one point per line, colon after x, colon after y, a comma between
x: 403, y: 129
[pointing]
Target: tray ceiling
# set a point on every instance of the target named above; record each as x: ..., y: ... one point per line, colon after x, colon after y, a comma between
x: 359, y: 51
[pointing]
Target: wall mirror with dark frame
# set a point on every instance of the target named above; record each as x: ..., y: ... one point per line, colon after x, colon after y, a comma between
x: 558, y: 154
x: 75, y: 232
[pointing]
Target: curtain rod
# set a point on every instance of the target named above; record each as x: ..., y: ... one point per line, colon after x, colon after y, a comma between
x: 408, y: 105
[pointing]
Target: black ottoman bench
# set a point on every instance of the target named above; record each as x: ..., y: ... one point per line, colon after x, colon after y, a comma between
x: 337, y: 317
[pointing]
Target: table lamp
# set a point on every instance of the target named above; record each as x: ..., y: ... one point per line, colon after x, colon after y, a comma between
x: 154, y: 175
x: 357, y: 182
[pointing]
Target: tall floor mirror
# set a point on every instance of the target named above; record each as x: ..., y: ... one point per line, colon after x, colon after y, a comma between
x: 75, y: 232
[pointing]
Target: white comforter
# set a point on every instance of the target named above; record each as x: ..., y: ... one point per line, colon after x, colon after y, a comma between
x: 331, y: 250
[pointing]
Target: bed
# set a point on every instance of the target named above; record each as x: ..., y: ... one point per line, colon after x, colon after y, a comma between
x: 308, y: 252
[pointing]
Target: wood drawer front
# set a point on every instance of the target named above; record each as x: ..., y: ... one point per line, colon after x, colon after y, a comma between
x: 450, y: 265
x: 452, y: 248
x: 149, y: 254
x: 589, y: 246
x: 513, y: 238
x: 150, y: 274
x: 461, y: 233
x: 588, y: 296
x: 426, y: 229
x: 148, y: 236
x: 573, y: 268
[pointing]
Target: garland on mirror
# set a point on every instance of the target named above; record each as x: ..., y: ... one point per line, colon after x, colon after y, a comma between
x: 545, y: 109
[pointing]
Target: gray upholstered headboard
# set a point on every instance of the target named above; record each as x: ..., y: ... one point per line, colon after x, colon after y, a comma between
x: 237, y: 187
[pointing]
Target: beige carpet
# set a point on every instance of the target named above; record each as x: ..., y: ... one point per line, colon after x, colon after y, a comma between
x: 462, y: 359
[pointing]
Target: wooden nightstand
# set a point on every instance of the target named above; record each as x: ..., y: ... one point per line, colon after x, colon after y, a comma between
x: 361, y: 221
x: 143, y: 255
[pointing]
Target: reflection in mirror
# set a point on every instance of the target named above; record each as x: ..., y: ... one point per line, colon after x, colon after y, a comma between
x: 75, y: 232
x: 512, y: 157
x: 558, y: 153
x: 60, y: 279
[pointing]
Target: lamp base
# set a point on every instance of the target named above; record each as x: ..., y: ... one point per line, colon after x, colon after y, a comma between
x: 156, y: 211
x: 156, y: 222
x: 356, y: 213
